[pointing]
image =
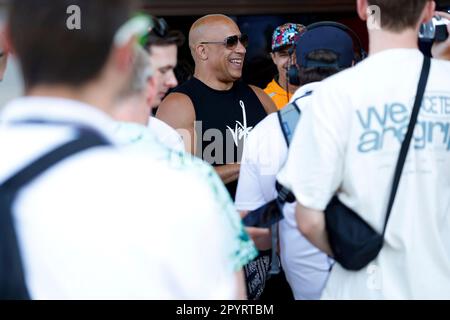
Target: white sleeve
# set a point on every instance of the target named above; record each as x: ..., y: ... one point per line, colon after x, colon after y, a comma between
x: 166, y: 134
x: 314, y: 168
x: 174, y: 141
x: 249, y: 194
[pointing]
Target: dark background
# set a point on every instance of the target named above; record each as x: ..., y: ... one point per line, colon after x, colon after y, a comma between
x: 258, y: 19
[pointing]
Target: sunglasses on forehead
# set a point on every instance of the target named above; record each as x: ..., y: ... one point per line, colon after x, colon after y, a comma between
x: 137, y: 26
x: 160, y: 29
x: 231, y: 42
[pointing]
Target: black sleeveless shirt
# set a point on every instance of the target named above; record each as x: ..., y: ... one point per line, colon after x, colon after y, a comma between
x: 223, y: 121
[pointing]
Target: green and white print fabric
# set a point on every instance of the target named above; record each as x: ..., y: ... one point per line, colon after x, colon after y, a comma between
x: 141, y: 139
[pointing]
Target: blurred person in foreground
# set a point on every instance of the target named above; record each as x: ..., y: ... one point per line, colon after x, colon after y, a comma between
x: 106, y: 223
x: 132, y: 112
x: 348, y: 144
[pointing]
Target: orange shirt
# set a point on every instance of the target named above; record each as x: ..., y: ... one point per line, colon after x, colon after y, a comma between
x: 277, y: 94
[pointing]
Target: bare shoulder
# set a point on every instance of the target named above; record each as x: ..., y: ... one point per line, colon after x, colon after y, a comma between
x: 177, y: 110
x: 256, y: 89
x: 177, y: 101
x: 267, y: 103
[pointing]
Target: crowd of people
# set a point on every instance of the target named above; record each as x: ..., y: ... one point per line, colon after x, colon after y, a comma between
x: 119, y: 180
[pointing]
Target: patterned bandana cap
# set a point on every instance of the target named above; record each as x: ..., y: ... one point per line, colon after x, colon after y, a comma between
x: 286, y: 35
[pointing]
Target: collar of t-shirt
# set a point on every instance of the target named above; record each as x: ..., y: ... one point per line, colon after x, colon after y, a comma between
x: 304, y: 90
x: 59, y: 110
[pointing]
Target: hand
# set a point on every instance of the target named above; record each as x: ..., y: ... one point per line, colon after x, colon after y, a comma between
x: 243, y: 214
x: 262, y: 237
x: 441, y: 50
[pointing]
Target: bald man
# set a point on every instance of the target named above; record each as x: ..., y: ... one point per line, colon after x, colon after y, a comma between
x: 213, y: 111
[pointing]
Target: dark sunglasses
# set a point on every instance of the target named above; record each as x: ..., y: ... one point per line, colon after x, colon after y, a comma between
x: 160, y: 28
x: 231, y: 42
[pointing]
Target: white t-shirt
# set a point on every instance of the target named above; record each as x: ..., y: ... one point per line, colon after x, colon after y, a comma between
x: 167, y: 135
x: 304, y: 92
x: 109, y: 224
x: 349, y: 142
x: 265, y: 152
x: 134, y: 137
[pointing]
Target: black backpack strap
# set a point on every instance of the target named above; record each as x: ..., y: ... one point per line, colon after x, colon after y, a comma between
x: 284, y: 194
x: 84, y: 141
x: 288, y: 118
x: 12, y: 278
x: 406, y: 143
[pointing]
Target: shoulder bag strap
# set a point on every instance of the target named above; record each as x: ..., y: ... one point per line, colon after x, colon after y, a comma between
x: 406, y: 143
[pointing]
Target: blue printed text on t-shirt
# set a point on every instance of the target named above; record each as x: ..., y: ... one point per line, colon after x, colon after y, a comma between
x: 391, y: 122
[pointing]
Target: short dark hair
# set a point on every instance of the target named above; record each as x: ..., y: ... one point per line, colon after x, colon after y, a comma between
x: 282, y: 48
x: 50, y: 53
x: 173, y: 37
x: 314, y: 74
x: 398, y: 15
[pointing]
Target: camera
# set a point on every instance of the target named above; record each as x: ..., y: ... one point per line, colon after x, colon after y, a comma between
x: 435, y: 30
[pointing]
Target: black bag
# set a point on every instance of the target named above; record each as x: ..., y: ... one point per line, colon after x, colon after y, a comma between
x: 12, y: 279
x: 270, y: 213
x: 355, y: 243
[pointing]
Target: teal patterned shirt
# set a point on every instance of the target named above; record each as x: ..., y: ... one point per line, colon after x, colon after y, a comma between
x: 140, y: 138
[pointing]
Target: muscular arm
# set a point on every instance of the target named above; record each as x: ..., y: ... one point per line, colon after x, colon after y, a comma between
x: 229, y: 172
x: 267, y: 103
x: 178, y: 112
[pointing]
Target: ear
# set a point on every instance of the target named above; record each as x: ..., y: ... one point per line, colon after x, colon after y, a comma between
x: 272, y: 55
x: 123, y: 56
x: 428, y: 12
x: 361, y: 7
x: 201, y: 52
